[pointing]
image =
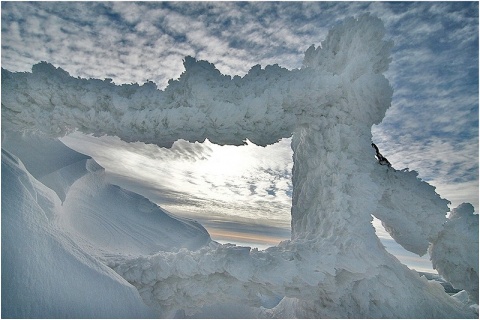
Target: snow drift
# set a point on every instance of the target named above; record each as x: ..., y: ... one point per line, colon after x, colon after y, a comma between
x: 44, y: 273
x: 334, y: 265
x: 52, y: 253
x: 455, y: 251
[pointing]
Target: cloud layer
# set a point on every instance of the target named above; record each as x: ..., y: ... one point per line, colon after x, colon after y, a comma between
x: 201, y: 179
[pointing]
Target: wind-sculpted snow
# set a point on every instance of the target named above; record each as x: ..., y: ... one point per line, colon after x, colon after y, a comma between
x: 48, y: 160
x: 44, y: 273
x: 455, y: 252
x: 201, y: 104
x: 413, y: 219
x: 264, y: 106
x: 326, y: 285
x: 54, y: 240
x: 106, y: 217
x: 334, y: 265
x: 116, y: 221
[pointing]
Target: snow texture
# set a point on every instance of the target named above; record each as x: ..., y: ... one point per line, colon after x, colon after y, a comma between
x: 410, y: 210
x: 334, y: 266
x: 48, y: 160
x: 312, y: 284
x: 53, y: 253
x: 454, y: 253
x: 264, y: 106
x: 44, y: 273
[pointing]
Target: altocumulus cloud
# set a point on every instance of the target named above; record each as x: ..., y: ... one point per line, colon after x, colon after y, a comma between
x: 432, y: 126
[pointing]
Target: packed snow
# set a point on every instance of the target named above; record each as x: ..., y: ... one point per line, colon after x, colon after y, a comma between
x: 75, y: 246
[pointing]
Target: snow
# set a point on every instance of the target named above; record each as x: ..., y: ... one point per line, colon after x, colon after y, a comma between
x: 49, y: 161
x: 44, y: 273
x: 410, y: 210
x: 455, y: 251
x: 53, y: 253
x: 61, y: 218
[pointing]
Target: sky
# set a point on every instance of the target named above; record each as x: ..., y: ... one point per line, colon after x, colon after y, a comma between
x: 245, y: 192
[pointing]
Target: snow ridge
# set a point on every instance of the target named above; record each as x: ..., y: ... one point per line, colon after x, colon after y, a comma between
x: 44, y: 273
x: 71, y: 228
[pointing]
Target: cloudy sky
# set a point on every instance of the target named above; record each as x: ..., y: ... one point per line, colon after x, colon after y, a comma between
x: 431, y: 127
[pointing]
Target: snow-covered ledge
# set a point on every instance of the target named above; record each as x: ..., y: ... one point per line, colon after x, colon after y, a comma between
x: 334, y: 265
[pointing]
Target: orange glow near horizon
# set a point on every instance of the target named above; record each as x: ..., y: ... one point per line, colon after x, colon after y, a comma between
x: 225, y: 235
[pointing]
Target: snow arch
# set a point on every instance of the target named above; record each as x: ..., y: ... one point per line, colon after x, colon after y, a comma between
x: 332, y: 102
x: 334, y: 265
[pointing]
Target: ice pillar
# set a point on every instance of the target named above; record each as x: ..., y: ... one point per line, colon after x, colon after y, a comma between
x: 333, y: 195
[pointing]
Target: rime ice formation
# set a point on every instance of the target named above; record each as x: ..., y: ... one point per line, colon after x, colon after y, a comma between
x: 455, y: 252
x: 201, y: 104
x: 334, y: 265
x: 413, y: 219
